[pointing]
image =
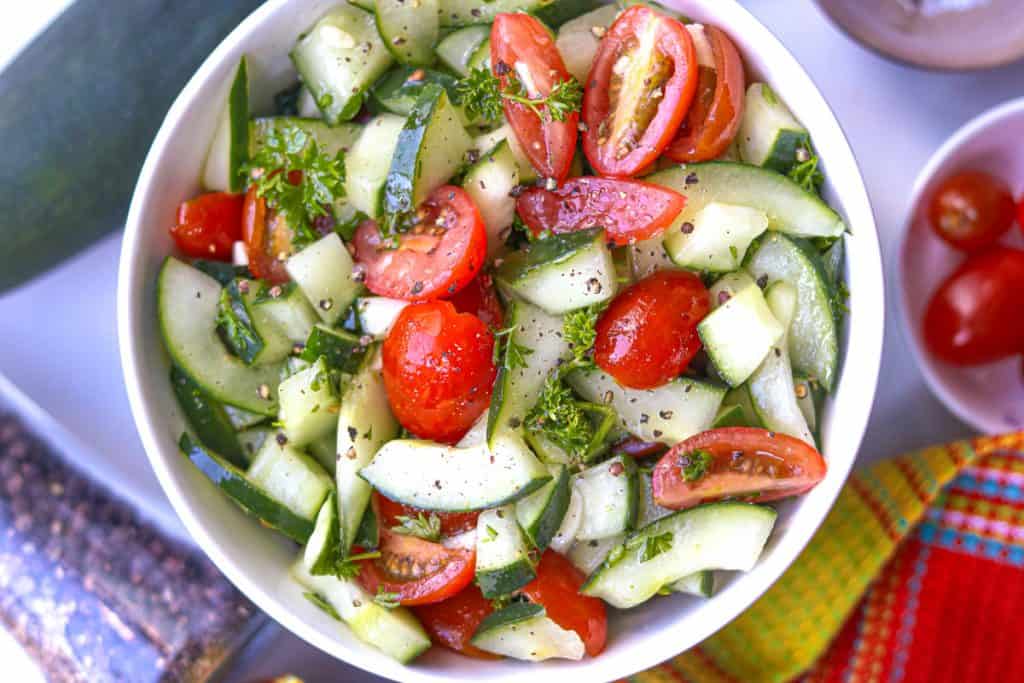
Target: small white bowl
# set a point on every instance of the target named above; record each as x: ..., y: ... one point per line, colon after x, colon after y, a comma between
x: 990, y: 398
x: 257, y: 560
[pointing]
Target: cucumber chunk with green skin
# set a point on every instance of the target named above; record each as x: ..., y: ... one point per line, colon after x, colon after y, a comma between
x: 730, y: 416
x: 323, y: 271
x: 578, y: 41
x: 648, y: 511
x: 540, y: 514
x: 287, y: 306
x: 609, y: 491
x: 409, y: 29
x: 252, y: 440
x: 813, y: 336
x: 339, y: 59
x: 503, y: 563
x: 587, y: 556
x: 487, y: 142
x: 810, y: 396
x: 552, y: 12
x: 647, y: 257
x: 340, y: 350
x: 230, y: 147
x: 564, y: 537
x: 290, y: 477
x: 243, y: 419
x: 524, y: 631
x: 309, y: 404
x: 394, y: 631
x: 431, y: 147
x: 367, y: 535
x: 714, y: 536
x: 669, y: 414
x: 701, y: 584
x: 368, y: 163
x: 562, y: 273
x: 322, y: 554
x: 220, y: 271
x: 377, y: 314
x: 458, y: 47
x: 790, y: 209
x: 249, y: 495
x: 187, y: 311
x: 330, y: 139
x: 324, y: 449
x: 365, y: 423
x: 769, y: 135
x: 399, y: 89
x: 207, y: 418
x: 739, y: 398
x: 490, y: 183
x: 718, y: 238
x: 250, y: 333
x: 741, y: 330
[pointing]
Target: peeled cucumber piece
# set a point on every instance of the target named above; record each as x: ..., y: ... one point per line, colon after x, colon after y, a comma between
x: 717, y: 239
x: 769, y: 135
x: 323, y: 271
x: 578, y: 39
x: 409, y: 29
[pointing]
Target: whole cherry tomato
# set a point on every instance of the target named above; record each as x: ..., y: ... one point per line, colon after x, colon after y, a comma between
x: 648, y: 334
x: 209, y: 225
x: 453, y: 622
x: 416, y: 571
x: 971, y: 210
x: 557, y: 588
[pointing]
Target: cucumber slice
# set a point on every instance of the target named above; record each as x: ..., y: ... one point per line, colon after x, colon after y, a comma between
x: 410, y: 29
x: 813, y: 336
x: 481, y: 59
x: 377, y: 314
x: 289, y: 308
x: 555, y: 14
x: 290, y: 477
x: 562, y: 272
x: 306, y: 105
x: 523, y: 631
x: 324, y: 449
x: 730, y: 416
x: 339, y: 59
x: 399, y: 89
x: 247, y: 494
x: 248, y: 331
x: 718, y: 238
x: 395, y: 631
x: 229, y: 150
x: 330, y: 139
x: 187, y: 311
x: 222, y: 272
x: 503, y: 562
x: 609, y: 493
x: 368, y: 5
x: 715, y: 536
x: 252, y: 441
x: 810, y: 396
x: 483, y: 144
x: 769, y: 134
x: 207, y: 418
x: 563, y: 539
x: 293, y: 365
x: 789, y: 208
x: 739, y: 398
x: 340, y: 350
x: 833, y: 260
x: 669, y: 414
x: 323, y: 271
x: 435, y: 477
x: 772, y: 392
x: 243, y: 419
x: 367, y: 164
x: 459, y: 46
x: 647, y: 510
x: 489, y: 183
x: 365, y: 423
x: 701, y: 584
x: 469, y: 12
x: 540, y: 514
x: 647, y: 257
x: 740, y: 332
x: 579, y: 39
x: 431, y: 148
x: 322, y: 554
x: 309, y: 404
x: 587, y: 556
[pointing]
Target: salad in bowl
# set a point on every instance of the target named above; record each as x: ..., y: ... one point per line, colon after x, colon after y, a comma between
x: 506, y: 313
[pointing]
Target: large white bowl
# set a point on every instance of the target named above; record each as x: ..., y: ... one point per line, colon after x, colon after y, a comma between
x: 257, y: 561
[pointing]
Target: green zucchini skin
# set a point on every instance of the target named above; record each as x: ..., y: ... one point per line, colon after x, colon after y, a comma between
x: 208, y: 418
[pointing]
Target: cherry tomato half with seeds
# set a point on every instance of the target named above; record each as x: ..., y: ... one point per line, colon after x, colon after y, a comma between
x: 717, y: 110
x: 209, y: 225
x: 557, y: 588
x: 440, y: 255
x: 416, y: 571
x: 480, y: 299
x: 438, y: 370
x: 522, y: 46
x: 639, y: 89
x: 453, y: 622
x: 977, y: 315
x: 628, y: 210
x: 648, y: 334
x: 452, y: 523
x: 268, y: 239
x: 971, y: 210
x: 739, y: 463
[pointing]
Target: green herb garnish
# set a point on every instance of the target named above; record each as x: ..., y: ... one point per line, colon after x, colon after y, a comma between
x: 805, y: 172
x: 560, y: 418
x: 386, y: 599
x: 427, y: 527
x: 349, y: 567
x: 579, y: 329
x: 481, y: 94
x: 656, y: 545
x: 695, y: 464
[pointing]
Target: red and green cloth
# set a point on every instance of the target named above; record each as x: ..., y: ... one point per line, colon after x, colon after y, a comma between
x: 917, y: 574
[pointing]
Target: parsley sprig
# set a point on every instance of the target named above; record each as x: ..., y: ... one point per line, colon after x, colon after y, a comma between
x: 579, y: 329
x: 349, y: 567
x: 510, y: 353
x: 481, y: 94
x: 427, y: 527
x: 805, y: 172
x: 695, y: 464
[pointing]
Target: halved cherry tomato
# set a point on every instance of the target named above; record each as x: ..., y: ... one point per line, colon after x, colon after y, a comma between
x: 738, y: 463
x: 523, y: 46
x: 438, y: 370
x: 480, y: 299
x: 440, y: 255
x: 268, y: 239
x: 977, y: 315
x: 629, y: 210
x: 209, y: 225
x: 717, y: 110
x: 971, y: 210
x: 416, y: 571
x: 1020, y: 214
x: 452, y: 523
x: 557, y: 588
x: 639, y: 89
x: 636, y: 448
x: 648, y: 334
x: 453, y: 622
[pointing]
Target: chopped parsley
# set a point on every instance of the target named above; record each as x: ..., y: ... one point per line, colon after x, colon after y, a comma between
x: 695, y: 464
x: 560, y: 418
x: 427, y: 527
x: 349, y: 567
x: 386, y: 599
x: 320, y: 602
x: 805, y: 172
x: 579, y: 329
x: 481, y: 94
x: 513, y: 352
x: 656, y: 545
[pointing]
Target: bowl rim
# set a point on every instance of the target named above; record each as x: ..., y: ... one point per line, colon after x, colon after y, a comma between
x: 935, y: 165
x: 863, y: 343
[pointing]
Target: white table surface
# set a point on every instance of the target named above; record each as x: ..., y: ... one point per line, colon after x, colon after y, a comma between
x: 894, y: 116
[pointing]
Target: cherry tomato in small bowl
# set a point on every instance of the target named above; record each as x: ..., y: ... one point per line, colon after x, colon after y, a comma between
x: 416, y: 571
x: 557, y: 588
x: 971, y: 210
x: 209, y: 225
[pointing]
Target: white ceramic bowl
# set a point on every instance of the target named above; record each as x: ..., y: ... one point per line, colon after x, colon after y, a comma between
x: 990, y: 397
x: 257, y: 560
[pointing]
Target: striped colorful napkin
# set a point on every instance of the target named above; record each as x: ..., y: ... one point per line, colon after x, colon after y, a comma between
x: 917, y: 574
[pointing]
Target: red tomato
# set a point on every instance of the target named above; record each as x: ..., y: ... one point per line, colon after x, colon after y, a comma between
x: 209, y: 225
x: 438, y: 370
x: 452, y: 523
x: 480, y: 299
x: 971, y: 210
x: 557, y: 588
x: 438, y: 257
x: 268, y: 239
x: 520, y: 43
x: 418, y: 572
x: 1020, y: 214
x: 977, y: 315
x: 648, y: 334
x: 742, y: 463
x: 453, y: 622
x: 717, y: 110
x: 629, y: 210
x: 636, y: 448
x: 639, y: 89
